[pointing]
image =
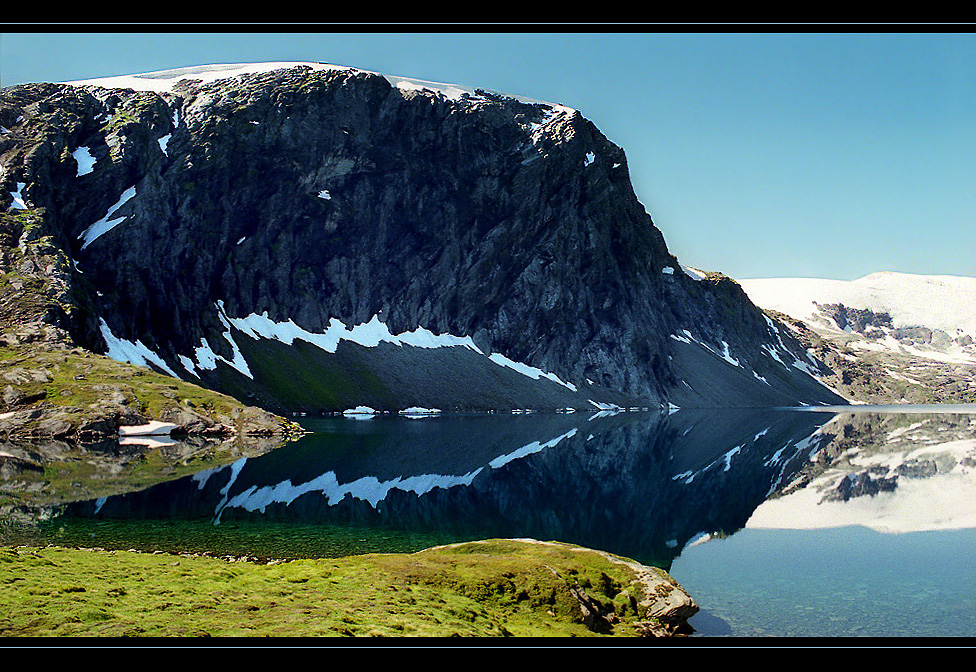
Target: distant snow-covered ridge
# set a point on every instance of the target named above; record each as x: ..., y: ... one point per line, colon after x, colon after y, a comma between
x: 943, y: 302
x: 936, y: 302
x: 165, y: 80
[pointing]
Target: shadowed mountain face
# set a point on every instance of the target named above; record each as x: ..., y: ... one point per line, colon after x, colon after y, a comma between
x: 315, y: 239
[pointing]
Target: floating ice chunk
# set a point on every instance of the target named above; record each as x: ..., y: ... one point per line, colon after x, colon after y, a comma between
x: 163, y: 141
x: 360, y: 410
x: 86, y: 162
x: 418, y: 412
x: 590, y: 157
x: 325, y: 195
x: 667, y: 270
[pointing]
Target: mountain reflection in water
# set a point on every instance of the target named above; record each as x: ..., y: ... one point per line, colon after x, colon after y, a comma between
x: 637, y: 484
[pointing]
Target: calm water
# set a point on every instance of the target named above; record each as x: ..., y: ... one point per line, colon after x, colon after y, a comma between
x: 779, y: 523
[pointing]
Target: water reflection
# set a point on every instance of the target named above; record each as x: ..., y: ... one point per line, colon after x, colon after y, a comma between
x: 890, y: 471
x: 640, y: 485
x: 38, y: 477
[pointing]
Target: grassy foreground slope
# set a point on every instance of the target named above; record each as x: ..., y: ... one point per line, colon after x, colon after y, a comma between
x: 516, y: 588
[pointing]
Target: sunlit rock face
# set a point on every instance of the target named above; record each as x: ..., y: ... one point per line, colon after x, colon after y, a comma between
x: 313, y: 238
x: 887, y: 337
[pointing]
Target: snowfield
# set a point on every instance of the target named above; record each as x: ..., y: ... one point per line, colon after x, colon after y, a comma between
x: 943, y: 302
x: 164, y: 80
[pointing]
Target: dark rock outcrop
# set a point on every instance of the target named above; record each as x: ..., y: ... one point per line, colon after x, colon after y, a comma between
x: 310, y: 195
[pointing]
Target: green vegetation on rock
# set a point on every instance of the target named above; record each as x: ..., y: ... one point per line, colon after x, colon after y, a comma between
x: 490, y: 588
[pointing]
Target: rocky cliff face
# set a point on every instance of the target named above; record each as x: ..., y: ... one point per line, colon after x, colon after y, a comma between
x: 312, y: 238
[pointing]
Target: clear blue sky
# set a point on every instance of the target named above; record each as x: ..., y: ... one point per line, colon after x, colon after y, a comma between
x: 758, y: 155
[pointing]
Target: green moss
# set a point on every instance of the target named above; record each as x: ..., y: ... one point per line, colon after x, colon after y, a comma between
x: 495, y: 588
x: 119, y: 119
x: 77, y: 378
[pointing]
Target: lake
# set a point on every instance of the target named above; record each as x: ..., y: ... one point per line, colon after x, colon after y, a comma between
x: 850, y: 521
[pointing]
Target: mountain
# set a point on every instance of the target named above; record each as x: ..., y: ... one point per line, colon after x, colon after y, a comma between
x: 313, y: 238
x: 888, y: 337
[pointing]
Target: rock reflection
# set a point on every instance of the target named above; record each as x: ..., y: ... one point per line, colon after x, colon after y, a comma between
x: 637, y: 484
x: 39, y: 477
x: 889, y: 471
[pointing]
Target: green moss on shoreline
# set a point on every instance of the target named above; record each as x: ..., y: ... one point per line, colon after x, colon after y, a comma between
x: 478, y: 589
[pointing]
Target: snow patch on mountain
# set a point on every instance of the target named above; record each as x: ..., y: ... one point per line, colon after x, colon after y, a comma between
x: 104, y: 225
x: 86, y: 162
x: 18, y: 199
x: 369, y: 334
x: 136, y: 353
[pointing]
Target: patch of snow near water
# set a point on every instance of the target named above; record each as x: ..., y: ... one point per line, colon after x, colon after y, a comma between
x: 152, y: 428
x: 369, y: 334
x: 419, y: 412
x: 360, y: 411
